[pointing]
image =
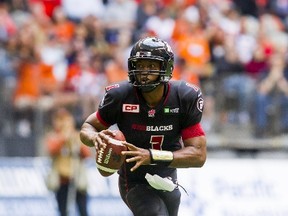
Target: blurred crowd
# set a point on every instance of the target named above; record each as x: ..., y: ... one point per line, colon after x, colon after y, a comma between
x: 62, y: 53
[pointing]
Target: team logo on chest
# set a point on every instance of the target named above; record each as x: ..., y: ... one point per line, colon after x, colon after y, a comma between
x: 151, y: 113
x: 131, y: 108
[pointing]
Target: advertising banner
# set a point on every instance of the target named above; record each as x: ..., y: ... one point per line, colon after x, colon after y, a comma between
x: 223, y: 187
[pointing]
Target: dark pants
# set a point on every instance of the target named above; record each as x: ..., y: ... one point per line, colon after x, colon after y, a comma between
x: 62, y: 198
x: 143, y: 200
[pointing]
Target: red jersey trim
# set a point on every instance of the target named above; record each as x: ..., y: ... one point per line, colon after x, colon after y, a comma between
x: 192, y: 131
x: 101, y: 120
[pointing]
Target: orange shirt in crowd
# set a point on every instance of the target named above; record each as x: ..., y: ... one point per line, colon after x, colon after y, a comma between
x: 34, y: 79
x: 194, y: 49
x: 72, y: 73
x: 64, y: 31
x: 115, y: 72
x: 181, y: 29
x: 195, y: 52
x: 182, y: 72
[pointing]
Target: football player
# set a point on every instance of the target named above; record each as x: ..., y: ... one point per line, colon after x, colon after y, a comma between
x: 160, y: 119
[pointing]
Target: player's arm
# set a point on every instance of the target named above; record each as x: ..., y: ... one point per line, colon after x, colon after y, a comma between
x: 93, y: 131
x: 193, y: 154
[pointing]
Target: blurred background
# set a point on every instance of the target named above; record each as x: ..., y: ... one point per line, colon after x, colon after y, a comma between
x: 57, y: 54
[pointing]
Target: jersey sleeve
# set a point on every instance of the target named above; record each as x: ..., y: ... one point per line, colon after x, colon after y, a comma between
x: 192, y: 104
x: 110, y: 106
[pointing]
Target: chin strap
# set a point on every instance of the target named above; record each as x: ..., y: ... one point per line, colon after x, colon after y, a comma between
x: 164, y: 184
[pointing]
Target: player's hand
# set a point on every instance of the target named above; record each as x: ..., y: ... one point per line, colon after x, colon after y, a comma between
x: 102, y: 137
x: 138, y: 155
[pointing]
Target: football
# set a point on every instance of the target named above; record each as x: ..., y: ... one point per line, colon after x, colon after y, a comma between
x: 109, y: 158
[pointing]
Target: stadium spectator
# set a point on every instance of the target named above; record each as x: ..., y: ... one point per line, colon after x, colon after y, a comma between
x: 191, y: 43
x: 35, y: 88
x: 145, y: 9
x: 115, y: 69
x: 258, y: 63
x: 63, y: 28
x: 77, y: 10
x: 119, y: 21
x: 48, y: 5
x: 67, y: 178
x: 84, y: 82
x: 7, y: 24
x: 271, y: 99
x: 161, y: 24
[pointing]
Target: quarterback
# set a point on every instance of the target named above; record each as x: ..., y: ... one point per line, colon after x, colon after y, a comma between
x: 161, y: 120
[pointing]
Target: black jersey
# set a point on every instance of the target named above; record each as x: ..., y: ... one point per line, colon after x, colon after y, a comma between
x: 157, y: 128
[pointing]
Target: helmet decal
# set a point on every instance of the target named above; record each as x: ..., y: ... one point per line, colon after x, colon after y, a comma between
x: 138, y: 54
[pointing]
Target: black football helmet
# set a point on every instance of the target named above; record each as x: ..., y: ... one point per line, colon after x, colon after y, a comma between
x: 151, y: 48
